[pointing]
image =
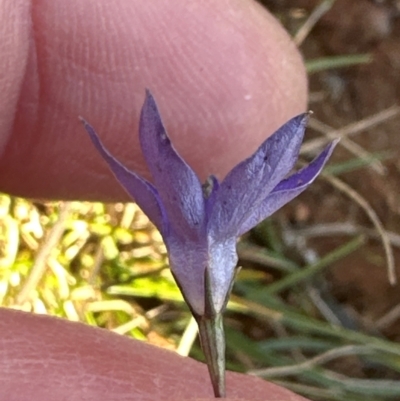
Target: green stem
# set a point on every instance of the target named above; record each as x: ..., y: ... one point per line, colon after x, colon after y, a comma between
x: 212, y: 338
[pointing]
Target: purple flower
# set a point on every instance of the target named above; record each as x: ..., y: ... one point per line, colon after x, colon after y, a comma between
x: 200, y: 224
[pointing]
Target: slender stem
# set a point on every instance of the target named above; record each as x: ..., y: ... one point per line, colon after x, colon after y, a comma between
x: 212, y: 338
x: 40, y: 266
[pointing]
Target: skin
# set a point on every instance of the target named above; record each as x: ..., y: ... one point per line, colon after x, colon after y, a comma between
x: 225, y: 76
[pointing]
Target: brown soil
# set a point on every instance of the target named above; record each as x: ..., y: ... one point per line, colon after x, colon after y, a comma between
x: 359, y: 283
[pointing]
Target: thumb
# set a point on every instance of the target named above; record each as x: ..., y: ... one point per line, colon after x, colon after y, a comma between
x: 224, y: 72
x: 44, y: 358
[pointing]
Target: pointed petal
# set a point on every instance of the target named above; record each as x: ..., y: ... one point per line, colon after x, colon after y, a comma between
x: 248, y: 184
x: 142, y: 191
x: 288, y: 189
x: 177, y: 184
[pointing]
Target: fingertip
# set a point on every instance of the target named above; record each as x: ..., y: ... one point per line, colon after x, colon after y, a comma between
x: 223, y: 73
x: 45, y: 358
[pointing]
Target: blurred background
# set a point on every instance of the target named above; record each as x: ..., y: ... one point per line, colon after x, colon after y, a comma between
x: 314, y: 307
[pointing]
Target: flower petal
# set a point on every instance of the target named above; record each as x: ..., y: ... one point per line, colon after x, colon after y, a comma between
x: 188, y: 261
x: 248, y: 184
x: 222, y: 262
x: 142, y: 191
x: 178, y: 185
x: 288, y: 189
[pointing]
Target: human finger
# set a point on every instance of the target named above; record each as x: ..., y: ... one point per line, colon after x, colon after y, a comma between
x: 224, y: 72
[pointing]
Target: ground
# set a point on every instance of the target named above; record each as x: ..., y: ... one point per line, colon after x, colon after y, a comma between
x: 339, y: 97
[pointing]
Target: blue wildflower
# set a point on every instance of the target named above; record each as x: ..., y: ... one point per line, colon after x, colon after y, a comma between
x: 200, y: 224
